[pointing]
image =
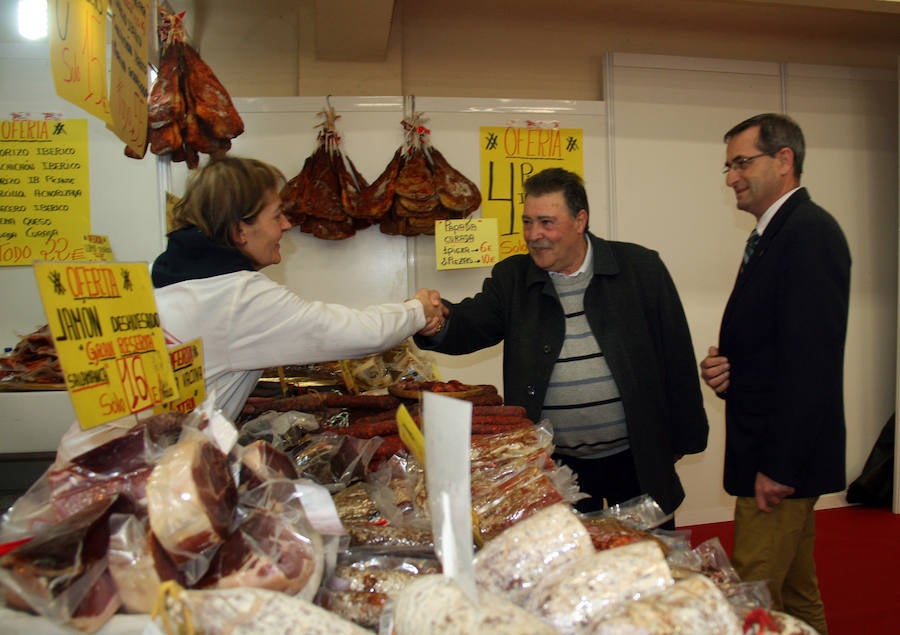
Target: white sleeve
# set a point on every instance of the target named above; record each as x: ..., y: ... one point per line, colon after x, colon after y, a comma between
x: 269, y: 325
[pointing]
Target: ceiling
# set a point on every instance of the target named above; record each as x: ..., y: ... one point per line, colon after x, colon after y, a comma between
x: 358, y: 30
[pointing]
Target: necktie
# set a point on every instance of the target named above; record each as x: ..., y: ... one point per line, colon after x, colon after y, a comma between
x: 748, y: 250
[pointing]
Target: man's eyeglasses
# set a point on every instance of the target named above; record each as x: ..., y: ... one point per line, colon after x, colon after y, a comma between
x: 739, y: 164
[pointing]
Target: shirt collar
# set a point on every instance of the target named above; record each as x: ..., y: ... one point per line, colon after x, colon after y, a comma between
x: 774, y: 207
x: 586, y: 265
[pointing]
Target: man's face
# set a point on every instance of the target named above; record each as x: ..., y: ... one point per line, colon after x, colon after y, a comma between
x: 760, y: 181
x: 555, y: 239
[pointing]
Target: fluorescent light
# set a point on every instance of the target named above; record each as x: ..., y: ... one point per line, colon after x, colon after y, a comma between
x: 33, y: 19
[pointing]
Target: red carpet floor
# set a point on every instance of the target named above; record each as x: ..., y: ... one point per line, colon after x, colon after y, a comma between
x: 858, y: 564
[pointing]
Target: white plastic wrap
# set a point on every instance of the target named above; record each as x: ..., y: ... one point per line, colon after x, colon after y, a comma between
x: 246, y: 612
x: 435, y: 605
x: 579, y: 594
x: 693, y: 606
x: 516, y: 560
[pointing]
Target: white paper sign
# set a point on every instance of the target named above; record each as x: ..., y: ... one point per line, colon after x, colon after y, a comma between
x: 447, y: 424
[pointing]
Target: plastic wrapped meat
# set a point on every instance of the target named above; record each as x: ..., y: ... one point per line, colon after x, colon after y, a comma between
x: 693, y: 606
x: 515, y: 561
x: 267, y: 551
x: 191, y: 502
x: 434, y: 605
x: 262, y: 461
x: 62, y: 572
x: 137, y: 563
x: 578, y: 594
x: 250, y: 612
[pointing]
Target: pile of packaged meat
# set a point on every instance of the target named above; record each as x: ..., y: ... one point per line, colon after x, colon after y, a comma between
x: 313, y: 518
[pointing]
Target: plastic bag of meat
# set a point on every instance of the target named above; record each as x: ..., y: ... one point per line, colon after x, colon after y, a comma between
x: 137, y: 562
x: 512, y: 563
x: 693, y: 606
x: 435, y: 605
x: 109, y: 462
x: 365, y: 580
x: 191, y: 502
x: 61, y: 573
x: 119, y: 468
x: 574, y: 596
x: 607, y: 533
x: 268, y: 550
x: 245, y: 612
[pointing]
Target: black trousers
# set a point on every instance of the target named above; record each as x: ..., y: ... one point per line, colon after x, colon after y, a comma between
x: 612, y: 480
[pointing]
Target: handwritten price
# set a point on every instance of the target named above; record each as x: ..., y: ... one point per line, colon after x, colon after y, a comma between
x: 136, y: 383
x: 59, y: 249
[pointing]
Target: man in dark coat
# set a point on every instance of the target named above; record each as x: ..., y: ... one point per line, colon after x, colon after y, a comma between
x: 779, y: 365
x: 595, y: 340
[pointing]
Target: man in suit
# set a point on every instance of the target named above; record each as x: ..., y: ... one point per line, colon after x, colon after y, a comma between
x: 779, y: 365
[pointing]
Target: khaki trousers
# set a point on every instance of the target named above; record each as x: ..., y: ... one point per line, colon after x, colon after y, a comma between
x: 778, y: 547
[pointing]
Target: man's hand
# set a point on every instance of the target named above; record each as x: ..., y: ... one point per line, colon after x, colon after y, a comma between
x: 435, y: 311
x: 716, y: 371
x: 769, y: 493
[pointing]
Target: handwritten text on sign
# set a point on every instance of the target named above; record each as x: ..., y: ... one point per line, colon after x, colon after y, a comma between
x: 509, y: 155
x: 128, y: 74
x: 470, y: 242
x: 108, y: 337
x: 44, y: 190
x: 187, y: 364
x: 78, y: 54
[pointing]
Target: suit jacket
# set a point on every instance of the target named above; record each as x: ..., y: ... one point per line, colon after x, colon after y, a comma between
x: 634, y: 312
x: 783, y: 332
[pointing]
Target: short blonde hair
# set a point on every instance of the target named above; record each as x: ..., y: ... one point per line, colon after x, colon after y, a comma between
x: 225, y: 192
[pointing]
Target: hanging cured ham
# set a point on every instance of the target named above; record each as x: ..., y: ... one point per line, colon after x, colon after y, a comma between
x: 322, y: 199
x: 426, y: 187
x: 189, y: 110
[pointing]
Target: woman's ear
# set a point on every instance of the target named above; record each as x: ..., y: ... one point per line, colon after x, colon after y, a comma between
x: 237, y: 234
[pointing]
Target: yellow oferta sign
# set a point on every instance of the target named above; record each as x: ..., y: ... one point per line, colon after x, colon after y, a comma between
x: 509, y: 155
x: 107, y: 334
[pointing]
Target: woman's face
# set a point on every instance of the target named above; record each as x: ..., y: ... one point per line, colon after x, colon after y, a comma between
x: 259, y: 240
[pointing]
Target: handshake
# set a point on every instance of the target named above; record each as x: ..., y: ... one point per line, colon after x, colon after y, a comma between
x: 435, y: 311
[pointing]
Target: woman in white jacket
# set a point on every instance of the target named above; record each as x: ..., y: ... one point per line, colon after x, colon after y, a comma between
x: 207, y: 285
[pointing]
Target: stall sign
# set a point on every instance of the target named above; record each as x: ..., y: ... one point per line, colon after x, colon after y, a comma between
x: 77, y: 30
x: 107, y: 334
x: 187, y: 366
x: 97, y: 248
x: 509, y: 155
x: 44, y: 189
x: 466, y: 243
x: 128, y: 73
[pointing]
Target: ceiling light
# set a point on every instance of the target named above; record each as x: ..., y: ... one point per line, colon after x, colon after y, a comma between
x: 33, y: 19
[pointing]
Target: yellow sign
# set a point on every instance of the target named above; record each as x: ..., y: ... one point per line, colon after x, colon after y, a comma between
x: 128, y: 74
x: 97, y: 248
x: 78, y: 54
x: 410, y: 434
x: 465, y: 243
x: 107, y: 334
x: 509, y: 155
x: 187, y: 364
x: 45, y: 191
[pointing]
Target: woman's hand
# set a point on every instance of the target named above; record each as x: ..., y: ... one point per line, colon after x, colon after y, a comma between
x: 435, y: 311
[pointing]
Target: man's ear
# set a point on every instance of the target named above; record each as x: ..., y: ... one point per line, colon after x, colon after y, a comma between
x: 582, y: 217
x: 785, y: 158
